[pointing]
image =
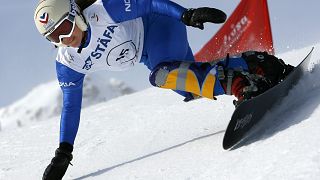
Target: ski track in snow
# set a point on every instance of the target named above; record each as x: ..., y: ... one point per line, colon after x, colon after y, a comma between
x: 152, y: 134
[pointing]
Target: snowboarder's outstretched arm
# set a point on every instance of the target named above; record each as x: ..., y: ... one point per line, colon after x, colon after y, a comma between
x: 245, y: 77
x: 71, y: 83
x: 123, y: 11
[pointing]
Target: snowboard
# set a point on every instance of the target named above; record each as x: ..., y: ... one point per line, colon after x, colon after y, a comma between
x: 248, y: 113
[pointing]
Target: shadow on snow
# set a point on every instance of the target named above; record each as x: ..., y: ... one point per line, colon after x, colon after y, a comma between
x: 102, y: 171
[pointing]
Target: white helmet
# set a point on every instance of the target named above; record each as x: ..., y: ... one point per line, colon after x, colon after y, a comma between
x: 50, y: 13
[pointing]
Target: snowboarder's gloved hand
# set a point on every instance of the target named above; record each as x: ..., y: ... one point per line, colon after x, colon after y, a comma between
x: 196, y: 17
x: 59, y: 164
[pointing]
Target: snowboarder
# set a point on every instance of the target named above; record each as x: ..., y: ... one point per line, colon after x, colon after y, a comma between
x: 115, y: 35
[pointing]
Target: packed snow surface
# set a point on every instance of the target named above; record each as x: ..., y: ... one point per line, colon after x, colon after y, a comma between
x: 45, y: 101
x: 154, y: 135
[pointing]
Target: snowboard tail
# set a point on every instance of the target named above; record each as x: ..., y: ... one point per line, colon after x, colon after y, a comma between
x: 250, y: 112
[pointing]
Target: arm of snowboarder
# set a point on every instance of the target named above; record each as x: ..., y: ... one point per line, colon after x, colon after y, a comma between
x: 130, y: 9
x: 71, y: 83
x: 127, y: 10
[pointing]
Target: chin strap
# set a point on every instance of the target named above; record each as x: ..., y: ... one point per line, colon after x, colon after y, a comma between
x: 83, y: 41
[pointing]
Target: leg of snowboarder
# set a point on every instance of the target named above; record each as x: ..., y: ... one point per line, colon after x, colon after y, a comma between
x: 244, y: 77
x: 264, y: 72
x: 248, y: 114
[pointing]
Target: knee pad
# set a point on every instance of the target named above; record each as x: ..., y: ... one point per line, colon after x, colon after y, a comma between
x: 199, y: 79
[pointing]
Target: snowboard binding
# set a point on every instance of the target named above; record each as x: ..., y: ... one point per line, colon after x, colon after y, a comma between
x: 253, y: 85
x: 267, y: 65
x: 264, y: 72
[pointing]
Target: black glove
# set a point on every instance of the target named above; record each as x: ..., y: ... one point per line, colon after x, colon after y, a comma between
x: 59, y: 163
x: 196, y: 17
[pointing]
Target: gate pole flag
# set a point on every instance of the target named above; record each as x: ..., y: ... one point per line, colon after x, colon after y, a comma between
x: 248, y: 28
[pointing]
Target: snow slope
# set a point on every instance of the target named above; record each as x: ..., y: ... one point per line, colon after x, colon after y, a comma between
x: 152, y: 134
x: 45, y: 101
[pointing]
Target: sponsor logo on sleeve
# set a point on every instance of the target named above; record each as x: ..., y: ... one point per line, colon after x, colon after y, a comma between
x: 127, y: 4
x: 66, y: 84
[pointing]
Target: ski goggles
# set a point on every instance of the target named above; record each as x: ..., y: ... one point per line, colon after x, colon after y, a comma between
x: 62, y: 29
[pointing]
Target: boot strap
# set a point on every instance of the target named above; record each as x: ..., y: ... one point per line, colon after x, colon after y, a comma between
x: 222, y: 76
x: 229, y: 81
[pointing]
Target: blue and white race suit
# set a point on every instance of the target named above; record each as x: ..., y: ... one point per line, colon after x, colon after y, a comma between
x: 121, y: 34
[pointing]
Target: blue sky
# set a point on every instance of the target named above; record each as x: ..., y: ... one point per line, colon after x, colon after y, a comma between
x: 28, y: 60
